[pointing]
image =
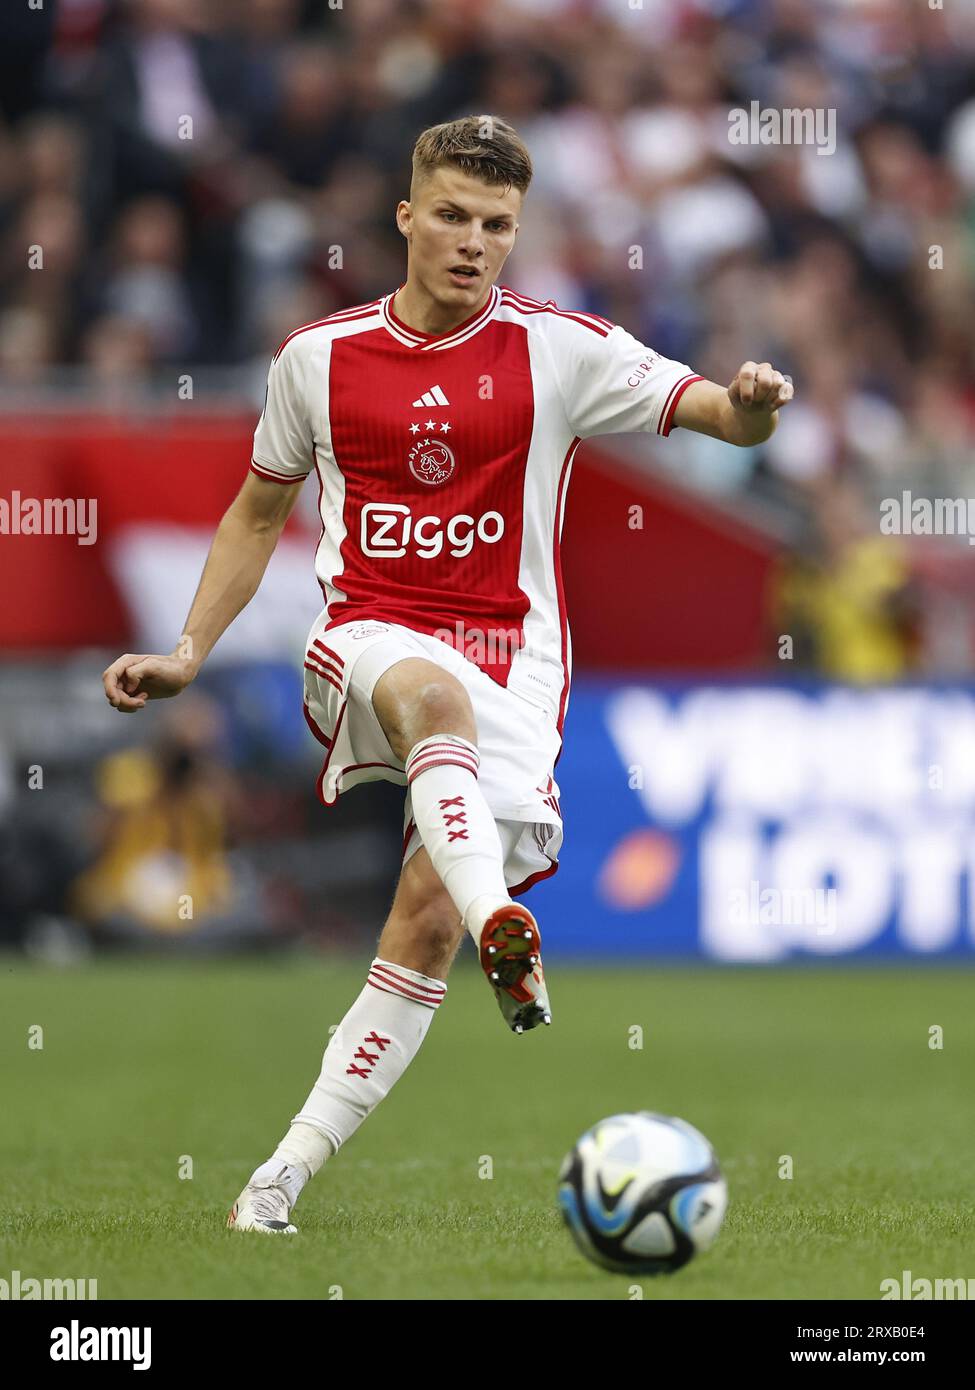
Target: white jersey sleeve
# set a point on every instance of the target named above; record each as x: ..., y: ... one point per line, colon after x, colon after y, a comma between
x: 613, y: 384
x: 284, y: 450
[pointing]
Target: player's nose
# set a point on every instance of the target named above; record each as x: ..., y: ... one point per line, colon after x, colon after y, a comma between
x: 473, y: 243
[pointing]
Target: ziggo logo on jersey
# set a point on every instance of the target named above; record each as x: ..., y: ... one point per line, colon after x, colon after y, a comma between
x: 388, y: 528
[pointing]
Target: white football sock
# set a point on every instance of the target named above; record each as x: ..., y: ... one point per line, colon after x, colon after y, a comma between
x: 303, y: 1147
x: 275, y: 1173
x: 368, y: 1053
x: 456, y: 826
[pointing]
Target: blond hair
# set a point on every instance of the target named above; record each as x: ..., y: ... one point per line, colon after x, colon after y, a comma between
x: 485, y: 147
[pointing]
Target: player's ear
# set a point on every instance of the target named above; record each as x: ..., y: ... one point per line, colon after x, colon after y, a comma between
x: 404, y: 218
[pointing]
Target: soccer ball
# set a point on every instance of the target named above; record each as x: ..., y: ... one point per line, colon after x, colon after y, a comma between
x: 642, y: 1193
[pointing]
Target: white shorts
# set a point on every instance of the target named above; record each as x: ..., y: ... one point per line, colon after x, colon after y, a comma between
x: 518, y: 741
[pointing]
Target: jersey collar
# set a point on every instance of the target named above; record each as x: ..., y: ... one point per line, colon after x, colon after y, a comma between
x: 430, y: 342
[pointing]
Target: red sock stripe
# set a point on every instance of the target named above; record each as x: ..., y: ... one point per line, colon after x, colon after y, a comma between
x: 425, y: 764
x: 393, y: 977
x: 445, y: 755
x: 378, y: 982
x: 402, y: 994
x: 340, y: 663
x: 445, y: 746
x: 440, y: 754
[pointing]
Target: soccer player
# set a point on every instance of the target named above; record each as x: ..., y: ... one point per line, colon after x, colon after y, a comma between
x: 441, y: 420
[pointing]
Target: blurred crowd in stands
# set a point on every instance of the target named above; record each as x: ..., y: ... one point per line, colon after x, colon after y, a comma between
x: 202, y: 177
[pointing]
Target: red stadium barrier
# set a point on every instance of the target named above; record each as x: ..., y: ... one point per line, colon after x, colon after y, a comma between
x: 685, y: 592
x: 170, y: 470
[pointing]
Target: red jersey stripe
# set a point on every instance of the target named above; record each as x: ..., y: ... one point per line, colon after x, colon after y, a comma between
x: 316, y: 731
x: 325, y: 676
x: 551, y: 304
x: 533, y: 308
x: 362, y: 311
x: 559, y: 589
x: 324, y: 663
x: 272, y: 477
x: 339, y: 661
x: 675, y: 395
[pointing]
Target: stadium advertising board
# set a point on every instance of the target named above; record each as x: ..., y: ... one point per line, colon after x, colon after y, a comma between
x: 763, y: 823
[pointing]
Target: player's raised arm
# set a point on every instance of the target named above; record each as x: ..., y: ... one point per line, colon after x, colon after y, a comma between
x: 611, y: 383
x: 746, y: 412
x: 243, y: 545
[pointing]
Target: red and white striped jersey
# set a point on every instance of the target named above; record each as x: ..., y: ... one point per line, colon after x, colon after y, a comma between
x: 443, y: 463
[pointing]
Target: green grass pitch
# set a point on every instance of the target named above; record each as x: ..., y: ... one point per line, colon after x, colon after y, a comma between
x: 144, y: 1063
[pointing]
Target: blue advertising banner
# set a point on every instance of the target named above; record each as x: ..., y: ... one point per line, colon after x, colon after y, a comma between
x: 763, y: 823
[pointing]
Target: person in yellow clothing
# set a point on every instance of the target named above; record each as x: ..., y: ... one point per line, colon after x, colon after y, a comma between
x: 849, y: 604
x: 162, y: 867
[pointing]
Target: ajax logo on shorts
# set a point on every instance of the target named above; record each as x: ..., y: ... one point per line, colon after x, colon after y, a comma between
x: 389, y: 528
x: 432, y: 462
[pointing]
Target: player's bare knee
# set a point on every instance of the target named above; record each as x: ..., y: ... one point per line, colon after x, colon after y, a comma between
x: 416, y: 700
x: 443, y: 706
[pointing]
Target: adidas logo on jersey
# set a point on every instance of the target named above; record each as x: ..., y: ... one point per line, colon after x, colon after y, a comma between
x: 434, y: 396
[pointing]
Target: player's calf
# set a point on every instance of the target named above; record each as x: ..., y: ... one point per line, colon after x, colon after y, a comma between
x: 423, y: 930
x: 427, y: 718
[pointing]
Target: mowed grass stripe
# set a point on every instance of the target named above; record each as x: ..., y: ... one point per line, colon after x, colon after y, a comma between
x: 144, y: 1063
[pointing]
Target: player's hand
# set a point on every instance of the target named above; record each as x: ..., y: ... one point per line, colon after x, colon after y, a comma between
x: 132, y: 680
x: 759, y: 387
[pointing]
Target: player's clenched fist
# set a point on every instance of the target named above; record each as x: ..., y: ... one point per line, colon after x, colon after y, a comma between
x: 758, y: 386
x: 132, y: 680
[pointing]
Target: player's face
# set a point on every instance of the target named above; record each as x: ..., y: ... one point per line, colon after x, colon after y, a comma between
x: 460, y: 232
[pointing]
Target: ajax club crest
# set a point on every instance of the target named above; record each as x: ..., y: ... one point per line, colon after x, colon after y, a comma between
x: 432, y: 462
